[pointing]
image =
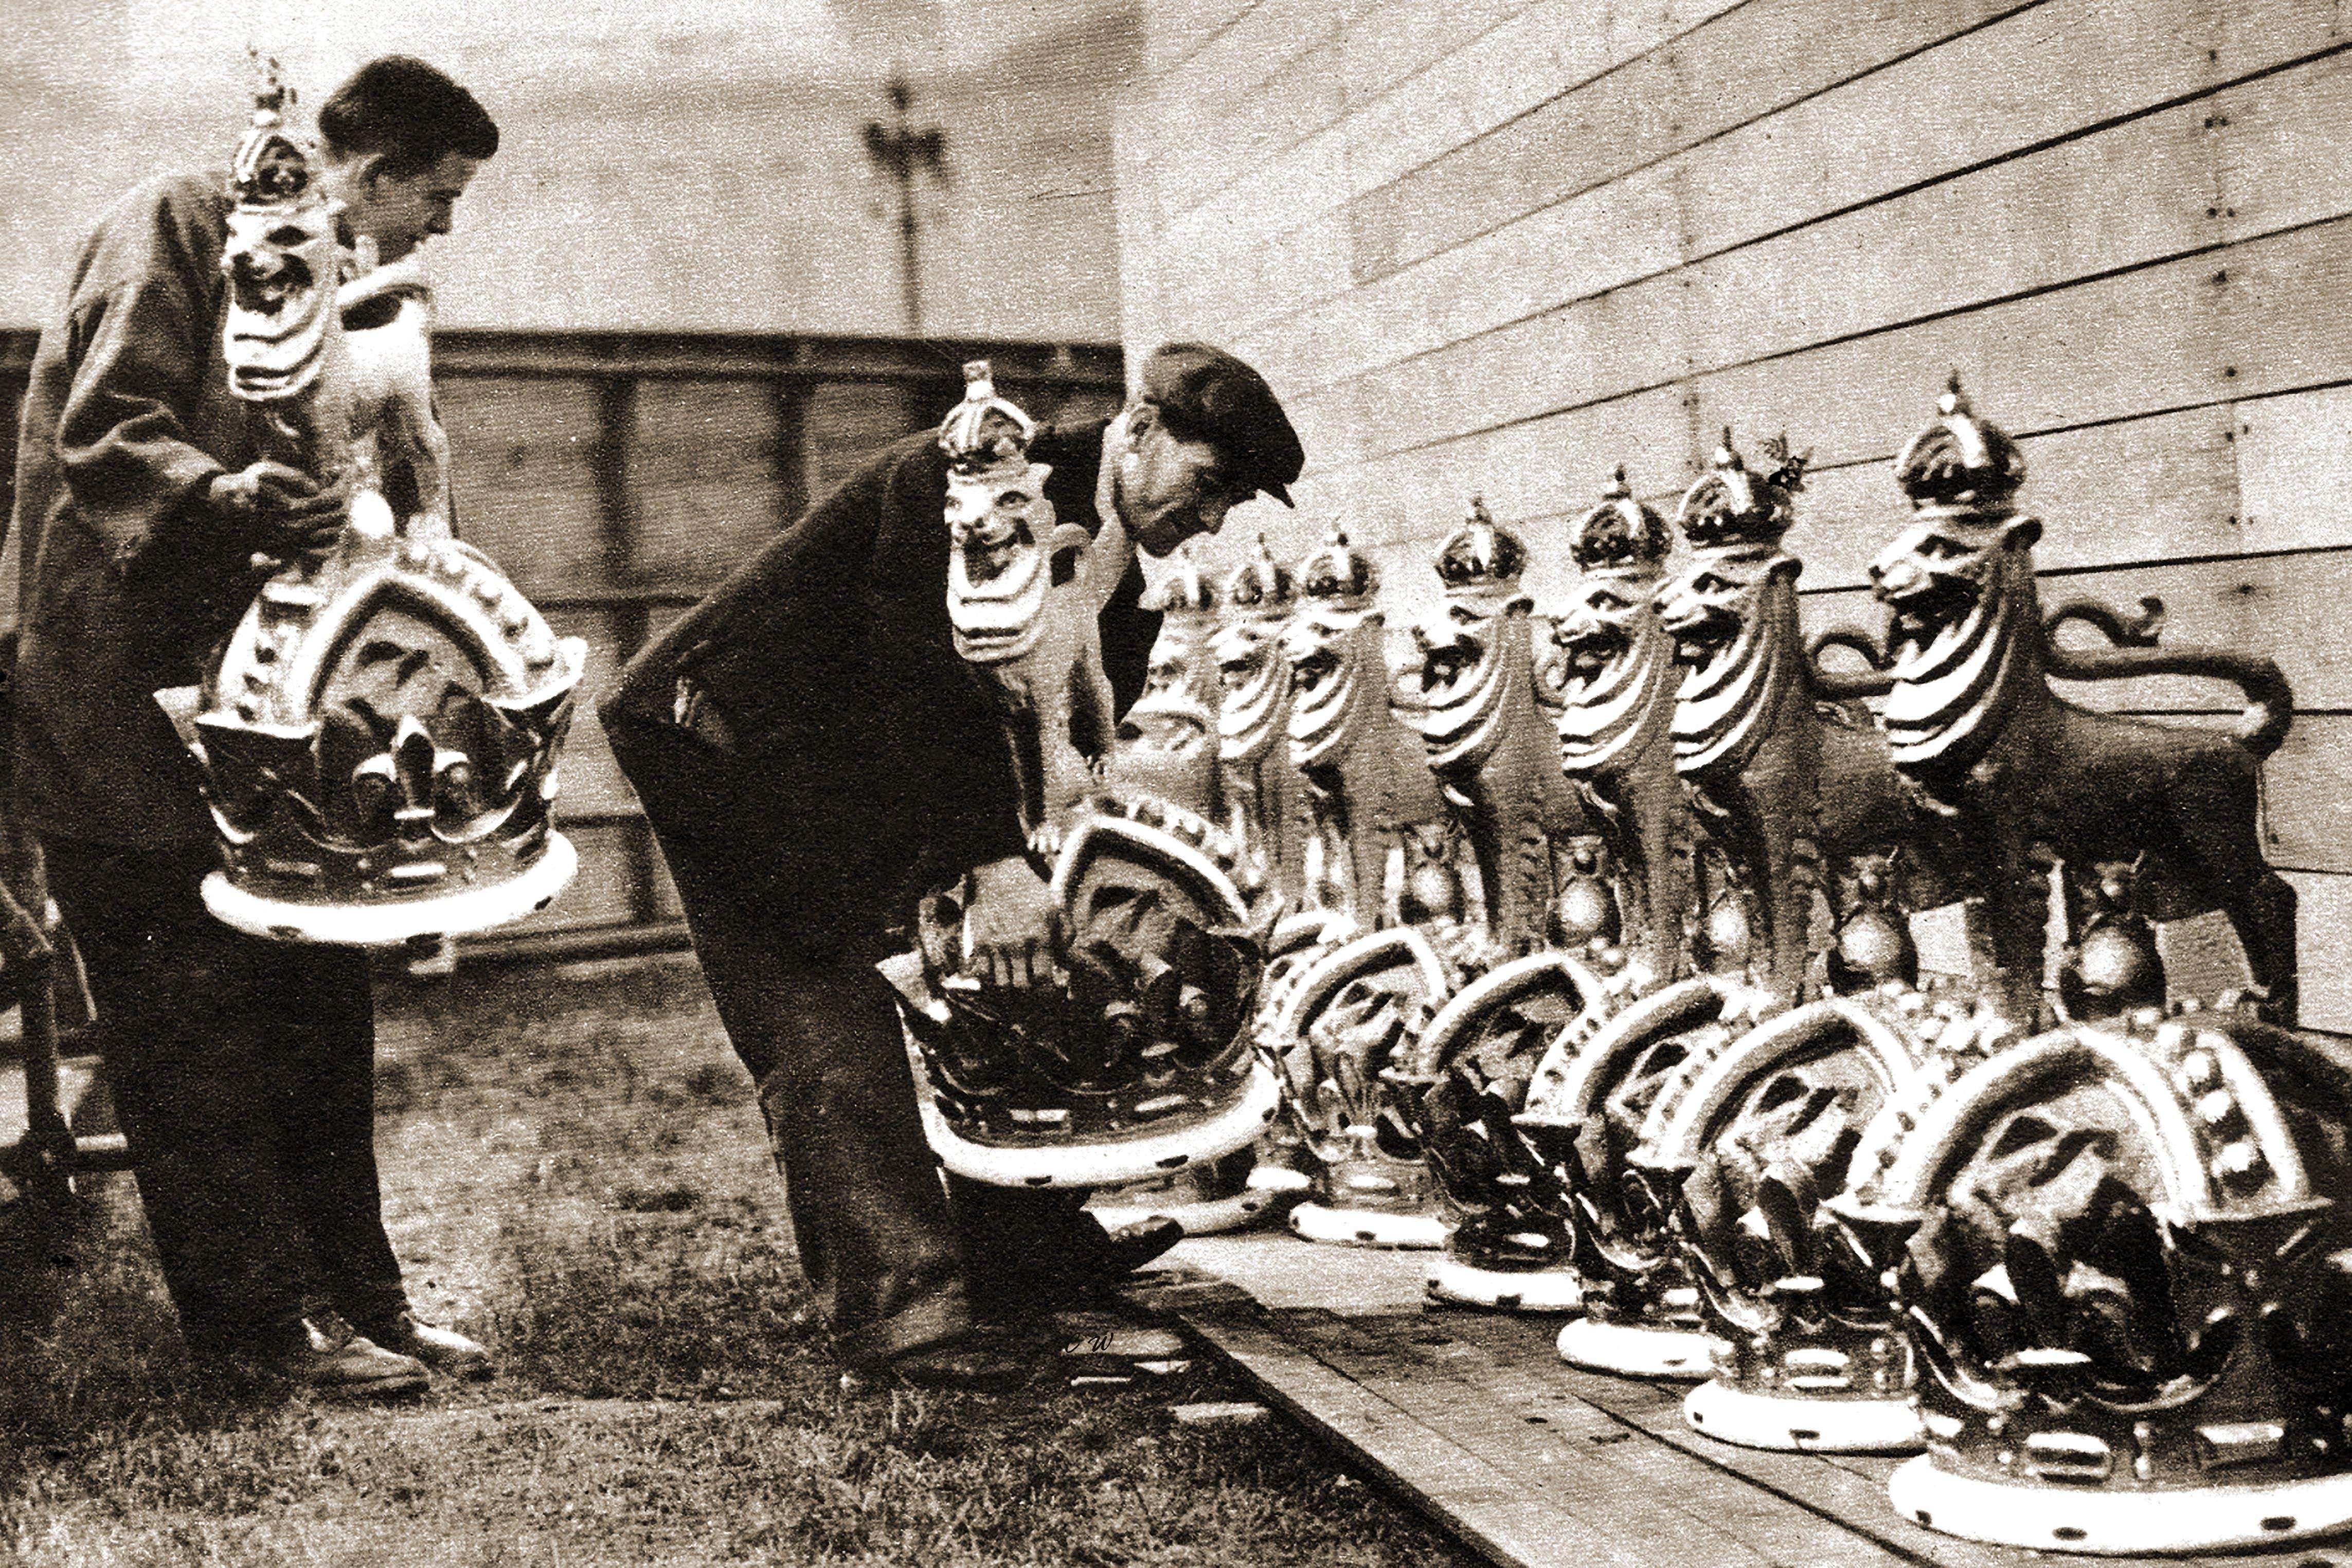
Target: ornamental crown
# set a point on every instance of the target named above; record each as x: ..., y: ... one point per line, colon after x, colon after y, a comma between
x: 2118, y: 1250
x: 1481, y: 553
x: 985, y: 432
x: 272, y: 168
x: 1262, y: 585
x: 1729, y: 507
x: 1184, y: 588
x: 379, y: 748
x: 1338, y: 574
x: 1960, y: 462
x: 1619, y: 532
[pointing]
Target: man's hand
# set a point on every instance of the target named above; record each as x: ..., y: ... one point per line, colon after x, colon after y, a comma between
x: 1008, y: 931
x: 293, y: 513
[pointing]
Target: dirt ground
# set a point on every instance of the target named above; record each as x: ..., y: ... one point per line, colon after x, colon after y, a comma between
x: 575, y: 1172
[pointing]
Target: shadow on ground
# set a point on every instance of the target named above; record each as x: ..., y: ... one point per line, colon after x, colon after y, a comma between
x: 575, y: 1171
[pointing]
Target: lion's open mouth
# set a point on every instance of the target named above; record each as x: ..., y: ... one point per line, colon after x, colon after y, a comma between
x: 1700, y: 634
x: 1443, y: 668
x: 1922, y: 611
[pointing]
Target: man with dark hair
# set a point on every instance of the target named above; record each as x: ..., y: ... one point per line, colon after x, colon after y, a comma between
x: 812, y: 753
x: 243, y: 1070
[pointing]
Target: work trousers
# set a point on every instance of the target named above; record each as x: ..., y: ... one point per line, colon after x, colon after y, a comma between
x: 895, y: 1257
x: 243, y: 1071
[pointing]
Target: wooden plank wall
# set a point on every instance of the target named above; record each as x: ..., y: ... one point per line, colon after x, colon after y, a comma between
x: 1497, y: 246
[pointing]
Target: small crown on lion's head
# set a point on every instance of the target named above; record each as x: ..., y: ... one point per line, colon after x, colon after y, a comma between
x: 1960, y: 463
x: 1262, y: 585
x: 985, y: 432
x: 1481, y: 553
x: 1337, y: 573
x: 1619, y: 532
x: 1185, y: 588
x: 1729, y: 505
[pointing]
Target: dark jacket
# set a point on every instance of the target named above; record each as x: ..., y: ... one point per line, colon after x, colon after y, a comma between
x: 826, y: 672
x: 130, y: 578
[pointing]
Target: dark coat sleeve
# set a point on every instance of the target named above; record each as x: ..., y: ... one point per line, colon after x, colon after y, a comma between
x: 828, y: 658
x: 141, y: 319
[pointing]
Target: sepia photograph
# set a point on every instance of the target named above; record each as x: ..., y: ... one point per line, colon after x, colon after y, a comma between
x: 1229, y: 783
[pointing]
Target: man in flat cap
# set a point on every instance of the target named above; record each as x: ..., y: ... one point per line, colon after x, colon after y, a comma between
x: 813, y: 754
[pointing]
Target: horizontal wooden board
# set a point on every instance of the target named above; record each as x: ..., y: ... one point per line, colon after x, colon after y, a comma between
x: 2043, y: 73
x: 703, y: 486
x: 1541, y: 52
x: 1266, y: 82
x: 1481, y: 1507
x: 1175, y: 30
x: 1656, y: 104
x: 1400, y: 39
x: 523, y: 476
x: 2032, y: 223
x: 2058, y: 67
x: 1489, y: 1384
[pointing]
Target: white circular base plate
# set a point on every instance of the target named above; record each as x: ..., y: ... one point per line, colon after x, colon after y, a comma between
x: 1792, y: 1421
x: 1631, y: 1350
x: 1111, y: 1161
x: 1368, y: 1228
x: 454, y: 913
x: 1520, y: 1291
x: 1202, y: 1216
x: 2119, y: 1521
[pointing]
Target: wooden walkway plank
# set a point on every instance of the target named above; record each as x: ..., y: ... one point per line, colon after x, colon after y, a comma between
x: 1487, y: 1509
x: 1612, y: 1474
x: 1473, y: 1419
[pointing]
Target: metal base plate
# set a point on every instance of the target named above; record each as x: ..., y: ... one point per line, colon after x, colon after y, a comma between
x: 389, y: 924
x: 2119, y: 1521
x: 1790, y: 1421
x: 1519, y: 1290
x: 1368, y: 1226
x: 1631, y: 1350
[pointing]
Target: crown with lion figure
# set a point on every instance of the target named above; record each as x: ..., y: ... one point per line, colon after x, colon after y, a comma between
x: 1730, y: 506
x: 1481, y: 556
x: 1339, y: 575
x: 1960, y: 463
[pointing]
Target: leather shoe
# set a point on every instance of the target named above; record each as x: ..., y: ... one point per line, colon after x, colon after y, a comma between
x: 445, y: 1351
x: 1130, y: 1246
x: 981, y: 1361
x: 335, y: 1364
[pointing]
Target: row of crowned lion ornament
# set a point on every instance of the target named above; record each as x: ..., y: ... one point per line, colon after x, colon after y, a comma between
x: 1939, y: 1125
x: 379, y: 738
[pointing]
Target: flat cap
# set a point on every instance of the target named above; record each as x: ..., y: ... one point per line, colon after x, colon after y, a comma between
x: 1206, y: 394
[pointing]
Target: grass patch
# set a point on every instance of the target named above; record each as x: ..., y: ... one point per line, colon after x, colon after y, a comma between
x: 575, y: 1171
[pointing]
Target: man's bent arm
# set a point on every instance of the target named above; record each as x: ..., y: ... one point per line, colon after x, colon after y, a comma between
x: 140, y: 357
